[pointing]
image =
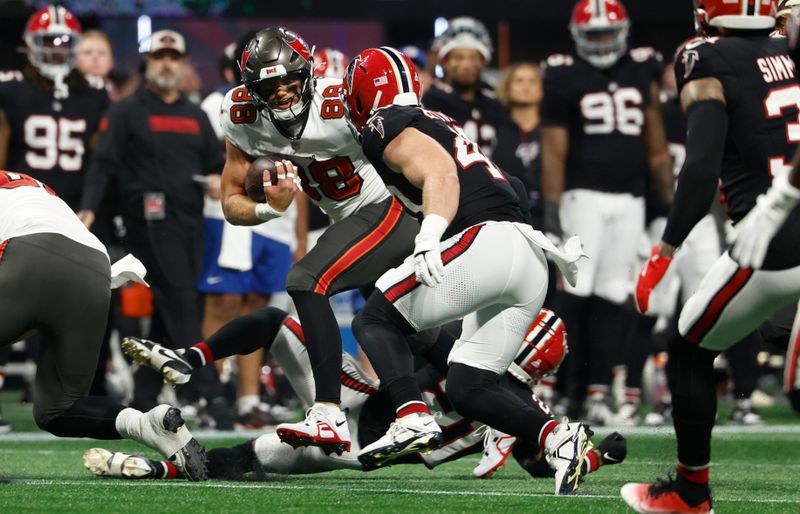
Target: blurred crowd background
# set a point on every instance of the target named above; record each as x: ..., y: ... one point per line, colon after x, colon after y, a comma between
x: 116, y: 35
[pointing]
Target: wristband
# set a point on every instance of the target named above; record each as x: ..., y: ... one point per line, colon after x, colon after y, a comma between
x: 433, y: 225
x: 265, y: 212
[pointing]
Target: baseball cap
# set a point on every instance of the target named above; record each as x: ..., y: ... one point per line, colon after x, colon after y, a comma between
x: 167, y: 40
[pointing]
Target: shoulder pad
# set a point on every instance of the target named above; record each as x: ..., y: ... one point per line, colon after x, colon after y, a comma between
x: 559, y: 60
x: 644, y: 53
x: 11, y: 76
x: 692, y: 43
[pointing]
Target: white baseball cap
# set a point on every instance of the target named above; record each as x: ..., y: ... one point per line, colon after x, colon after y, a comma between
x: 167, y: 40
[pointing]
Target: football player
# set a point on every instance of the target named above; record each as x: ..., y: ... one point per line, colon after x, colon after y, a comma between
x: 464, y: 50
x: 56, y: 280
x: 283, y: 109
x: 601, y: 134
x: 49, y: 112
x: 369, y: 411
x: 471, y: 216
x: 235, y: 281
x: 740, y: 94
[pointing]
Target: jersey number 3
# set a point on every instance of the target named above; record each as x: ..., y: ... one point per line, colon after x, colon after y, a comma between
x: 776, y: 101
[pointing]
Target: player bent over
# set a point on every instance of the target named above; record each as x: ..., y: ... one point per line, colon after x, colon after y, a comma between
x: 55, y: 279
x: 369, y: 410
x: 475, y: 258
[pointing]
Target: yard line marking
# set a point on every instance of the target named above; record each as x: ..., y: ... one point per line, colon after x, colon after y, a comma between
x: 211, y: 485
x: 215, y: 435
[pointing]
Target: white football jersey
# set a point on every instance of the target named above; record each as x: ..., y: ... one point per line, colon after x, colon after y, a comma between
x: 335, y: 173
x: 26, y: 207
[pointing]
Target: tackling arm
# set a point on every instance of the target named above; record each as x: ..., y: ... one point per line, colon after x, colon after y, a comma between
x: 657, y: 154
x: 428, y: 166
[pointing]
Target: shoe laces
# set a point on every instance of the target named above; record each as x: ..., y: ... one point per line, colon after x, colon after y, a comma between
x: 663, y: 486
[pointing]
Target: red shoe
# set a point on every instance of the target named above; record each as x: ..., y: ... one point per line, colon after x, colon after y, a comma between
x: 664, y: 497
x: 325, y: 427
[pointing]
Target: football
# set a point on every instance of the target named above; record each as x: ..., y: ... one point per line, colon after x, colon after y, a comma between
x: 254, y: 180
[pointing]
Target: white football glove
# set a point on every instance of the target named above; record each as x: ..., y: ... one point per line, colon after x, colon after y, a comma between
x: 756, y: 230
x: 428, y: 266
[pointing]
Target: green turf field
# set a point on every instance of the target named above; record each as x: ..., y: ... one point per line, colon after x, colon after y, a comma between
x: 753, y: 472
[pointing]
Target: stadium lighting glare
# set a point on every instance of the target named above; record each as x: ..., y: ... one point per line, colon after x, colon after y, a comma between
x: 144, y: 27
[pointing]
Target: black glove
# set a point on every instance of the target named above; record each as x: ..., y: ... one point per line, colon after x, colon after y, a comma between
x: 551, y: 221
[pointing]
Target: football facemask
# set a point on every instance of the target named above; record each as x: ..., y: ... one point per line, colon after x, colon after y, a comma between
x: 600, y: 30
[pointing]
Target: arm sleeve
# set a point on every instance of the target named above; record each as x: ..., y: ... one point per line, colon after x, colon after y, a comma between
x: 697, y: 182
x: 105, y: 159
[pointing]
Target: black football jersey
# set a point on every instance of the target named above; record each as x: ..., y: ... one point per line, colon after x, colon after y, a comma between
x: 762, y: 97
x: 481, y: 119
x: 604, y: 113
x: 518, y: 153
x: 485, y: 193
x: 50, y: 138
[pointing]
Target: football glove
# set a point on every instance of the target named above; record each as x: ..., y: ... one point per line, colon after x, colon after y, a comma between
x: 428, y: 266
x: 756, y: 230
x: 651, y: 275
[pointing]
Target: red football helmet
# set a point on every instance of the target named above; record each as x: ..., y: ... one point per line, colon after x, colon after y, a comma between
x: 744, y: 14
x: 329, y: 62
x: 600, y: 30
x: 52, y: 36
x: 542, y: 350
x: 375, y: 78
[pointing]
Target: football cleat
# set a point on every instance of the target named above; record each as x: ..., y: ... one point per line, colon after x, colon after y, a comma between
x: 497, y: 447
x: 613, y: 448
x: 627, y: 415
x: 325, y: 427
x: 664, y: 497
x: 597, y: 411
x: 660, y: 415
x: 5, y: 426
x: 565, y: 449
x: 163, y: 429
x: 171, y: 364
x: 104, y: 463
x: 415, y: 433
x: 744, y: 414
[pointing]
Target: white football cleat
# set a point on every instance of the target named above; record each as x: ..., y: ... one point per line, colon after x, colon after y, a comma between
x: 171, y: 364
x: 102, y: 462
x: 163, y: 429
x: 415, y: 433
x: 565, y: 449
x: 598, y: 412
x: 497, y: 447
x: 325, y: 426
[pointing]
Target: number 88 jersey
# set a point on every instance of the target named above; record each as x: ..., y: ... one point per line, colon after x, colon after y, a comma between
x: 603, y: 110
x: 762, y: 97
x: 334, y: 171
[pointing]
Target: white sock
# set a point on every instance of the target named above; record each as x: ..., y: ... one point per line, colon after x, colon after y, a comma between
x: 128, y: 424
x: 329, y: 410
x: 247, y: 403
